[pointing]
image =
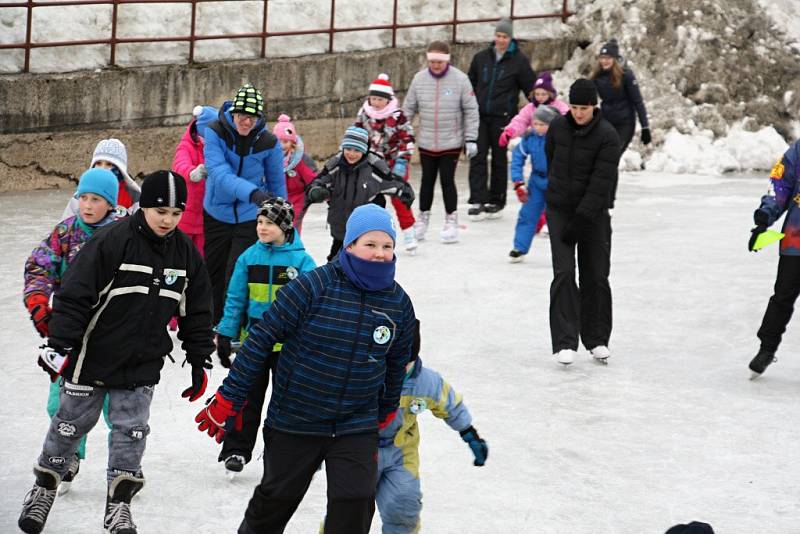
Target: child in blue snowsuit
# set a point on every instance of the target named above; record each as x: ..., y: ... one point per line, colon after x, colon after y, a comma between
x: 531, y: 195
x: 398, y: 493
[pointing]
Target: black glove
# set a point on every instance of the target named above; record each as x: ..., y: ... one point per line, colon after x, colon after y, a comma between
x: 576, y: 227
x: 406, y: 194
x: 199, y: 377
x: 318, y: 193
x: 224, y: 350
x: 754, y: 233
x: 761, y: 217
x: 258, y: 197
x: 646, y: 136
x: 478, y: 446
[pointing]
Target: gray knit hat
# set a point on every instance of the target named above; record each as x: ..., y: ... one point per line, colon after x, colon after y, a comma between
x: 505, y: 25
x: 545, y: 114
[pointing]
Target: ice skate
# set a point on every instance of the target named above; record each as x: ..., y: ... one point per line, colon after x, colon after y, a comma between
x: 493, y: 211
x: 421, y: 226
x: 449, y: 233
x: 760, y: 362
x: 234, y: 464
x: 544, y: 232
x: 565, y: 356
x: 118, y: 519
x: 601, y: 354
x: 69, y: 476
x: 476, y: 213
x: 515, y: 256
x: 410, y: 241
x: 39, y: 500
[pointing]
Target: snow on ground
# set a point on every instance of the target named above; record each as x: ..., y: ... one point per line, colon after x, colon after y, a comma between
x: 671, y: 430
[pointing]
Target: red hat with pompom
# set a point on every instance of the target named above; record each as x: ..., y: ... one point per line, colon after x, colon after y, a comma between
x: 381, y: 87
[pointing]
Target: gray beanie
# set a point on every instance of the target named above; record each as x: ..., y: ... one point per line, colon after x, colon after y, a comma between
x: 505, y: 25
x: 545, y: 114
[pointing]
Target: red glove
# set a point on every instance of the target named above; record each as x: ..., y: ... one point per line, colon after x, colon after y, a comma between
x: 387, y: 420
x: 505, y: 137
x: 216, y: 416
x: 53, y: 361
x: 39, y: 307
x: 522, y: 191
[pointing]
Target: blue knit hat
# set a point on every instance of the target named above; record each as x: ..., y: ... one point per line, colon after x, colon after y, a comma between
x: 355, y: 138
x: 204, y: 115
x: 365, y: 219
x: 101, y: 182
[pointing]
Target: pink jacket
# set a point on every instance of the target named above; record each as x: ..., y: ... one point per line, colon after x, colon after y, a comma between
x: 188, y: 155
x: 524, y: 119
x: 297, y: 179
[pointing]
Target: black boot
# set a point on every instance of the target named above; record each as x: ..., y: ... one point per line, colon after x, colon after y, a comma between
x: 39, y: 500
x: 118, y: 519
x: 761, y: 361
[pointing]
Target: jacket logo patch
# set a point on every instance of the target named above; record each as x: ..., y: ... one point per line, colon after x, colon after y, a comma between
x: 170, y: 277
x: 381, y: 335
x: 797, y: 199
x: 777, y: 171
x: 417, y: 406
x: 291, y: 273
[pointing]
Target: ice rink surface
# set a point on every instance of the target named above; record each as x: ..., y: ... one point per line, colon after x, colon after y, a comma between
x: 671, y: 430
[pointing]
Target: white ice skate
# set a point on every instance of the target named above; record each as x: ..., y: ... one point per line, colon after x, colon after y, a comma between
x: 565, y: 356
x: 421, y: 226
x: 601, y: 354
x: 449, y: 233
x: 410, y: 241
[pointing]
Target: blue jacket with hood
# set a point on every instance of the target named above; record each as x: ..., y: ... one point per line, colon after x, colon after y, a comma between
x: 237, y: 166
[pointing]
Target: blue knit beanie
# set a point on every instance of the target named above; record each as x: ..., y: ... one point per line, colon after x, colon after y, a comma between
x: 204, y: 115
x: 101, y: 182
x: 355, y: 138
x: 365, y: 219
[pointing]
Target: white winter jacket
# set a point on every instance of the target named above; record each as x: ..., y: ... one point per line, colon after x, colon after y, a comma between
x: 448, y: 111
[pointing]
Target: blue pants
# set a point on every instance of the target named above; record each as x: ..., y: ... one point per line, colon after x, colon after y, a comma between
x: 528, y: 217
x: 398, y: 494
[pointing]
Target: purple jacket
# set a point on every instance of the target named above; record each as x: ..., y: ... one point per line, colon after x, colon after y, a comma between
x: 784, y: 195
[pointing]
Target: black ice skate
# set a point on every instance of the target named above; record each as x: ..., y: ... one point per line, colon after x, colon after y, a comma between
x: 69, y: 476
x: 761, y: 361
x: 234, y: 464
x: 515, y: 256
x: 493, y: 211
x: 476, y: 212
x: 118, y: 519
x: 39, y: 500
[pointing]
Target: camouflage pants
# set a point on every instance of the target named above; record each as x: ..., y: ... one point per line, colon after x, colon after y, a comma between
x: 78, y: 412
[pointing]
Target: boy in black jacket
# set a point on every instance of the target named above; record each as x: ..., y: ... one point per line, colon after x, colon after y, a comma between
x: 108, y: 336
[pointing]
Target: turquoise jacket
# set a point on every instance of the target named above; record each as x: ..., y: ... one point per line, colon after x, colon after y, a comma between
x: 260, y: 272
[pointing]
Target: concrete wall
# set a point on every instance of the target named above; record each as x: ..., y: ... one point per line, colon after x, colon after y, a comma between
x: 50, y: 123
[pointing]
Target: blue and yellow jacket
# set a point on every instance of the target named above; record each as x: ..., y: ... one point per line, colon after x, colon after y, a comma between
x: 532, y: 145
x: 343, y: 359
x: 260, y: 272
x: 784, y: 195
x: 424, y: 390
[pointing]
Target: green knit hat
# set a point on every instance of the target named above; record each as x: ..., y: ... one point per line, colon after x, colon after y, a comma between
x: 248, y: 100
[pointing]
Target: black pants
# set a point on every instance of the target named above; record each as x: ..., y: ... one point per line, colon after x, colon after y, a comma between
x: 445, y: 166
x: 781, y: 304
x: 336, y: 246
x: 242, y: 442
x: 585, y: 311
x: 625, y: 131
x: 290, y: 461
x: 224, y: 243
x: 489, y: 132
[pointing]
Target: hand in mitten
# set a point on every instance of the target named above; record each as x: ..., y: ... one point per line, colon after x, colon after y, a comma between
x: 400, y: 168
x: 471, y: 149
x: 576, y: 227
x: 258, y: 197
x: 199, y: 377
x: 646, y: 136
x: 406, y: 194
x: 761, y: 217
x: 754, y: 233
x: 317, y: 193
x: 224, y: 350
x: 216, y: 417
x: 522, y: 191
x: 199, y: 173
x: 478, y: 446
x: 506, y: 136
x: 387, y: 420
x: 54, y: 360
x: 39, y: 307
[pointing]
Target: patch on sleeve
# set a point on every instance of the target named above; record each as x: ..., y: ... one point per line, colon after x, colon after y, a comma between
x: 777, y: 171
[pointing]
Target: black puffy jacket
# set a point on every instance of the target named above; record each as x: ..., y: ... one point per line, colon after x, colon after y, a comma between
x: 621, y: 104
x: 497, y: 83
x: 582, y: 165
x: 117, y: 298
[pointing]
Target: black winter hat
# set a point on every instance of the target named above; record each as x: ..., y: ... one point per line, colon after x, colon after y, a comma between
x: 163, y: 189
x: 280, y: 212
x: 695, y: 527
x: 583, y: 92
x: 611, y: 48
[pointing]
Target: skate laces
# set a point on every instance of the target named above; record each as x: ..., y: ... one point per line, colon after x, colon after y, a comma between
x: 118, y: 516
x: 38, y: 502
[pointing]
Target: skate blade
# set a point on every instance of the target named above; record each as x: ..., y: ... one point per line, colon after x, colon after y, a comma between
x: 515, y: 260
x: 477, y: 218
x: 231, y: 475
x: 754, y: 375
x: 64, y: 488
x: 601, y: 361
x: 494, y: 216
x: 449, y: 241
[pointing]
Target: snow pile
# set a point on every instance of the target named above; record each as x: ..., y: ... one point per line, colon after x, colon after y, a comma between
x: 740, y: 150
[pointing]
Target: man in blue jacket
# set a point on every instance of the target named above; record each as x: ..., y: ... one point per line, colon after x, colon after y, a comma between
x: 347, y: 330
x: 245, y: 167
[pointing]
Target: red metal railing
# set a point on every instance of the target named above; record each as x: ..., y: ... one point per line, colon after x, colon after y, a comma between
x: 192, y: 38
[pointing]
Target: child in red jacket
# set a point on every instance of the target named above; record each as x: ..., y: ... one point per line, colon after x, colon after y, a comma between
x: 297, y: 166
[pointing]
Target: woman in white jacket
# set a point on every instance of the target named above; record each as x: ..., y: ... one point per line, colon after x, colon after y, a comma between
x: 443, y: 97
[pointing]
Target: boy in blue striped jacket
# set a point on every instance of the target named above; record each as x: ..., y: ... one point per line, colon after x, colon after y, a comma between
x: 346, y: 330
